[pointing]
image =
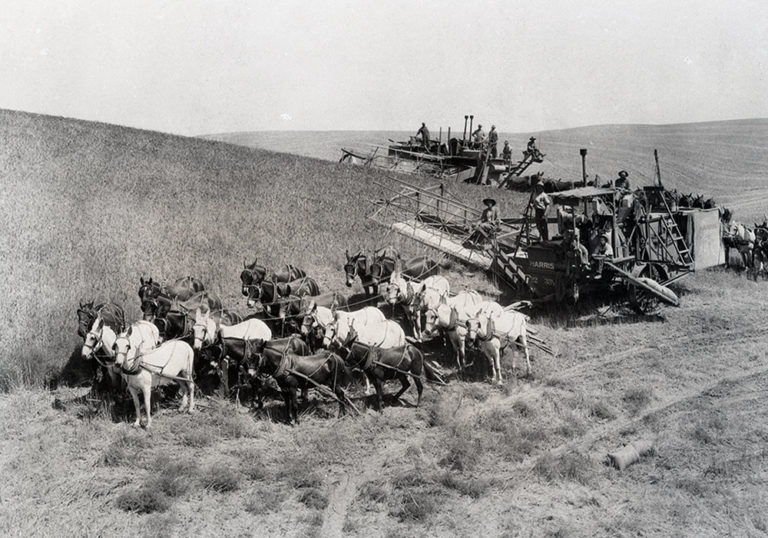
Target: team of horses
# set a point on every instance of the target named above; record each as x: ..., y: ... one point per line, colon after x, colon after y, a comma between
x: 299, y: 337
x: 750, y: 243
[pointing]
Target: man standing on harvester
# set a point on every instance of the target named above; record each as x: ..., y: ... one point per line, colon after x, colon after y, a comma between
x: 541, y: 203
x: 493, y: 139
x: 424, y: 133
x: 478, y: 137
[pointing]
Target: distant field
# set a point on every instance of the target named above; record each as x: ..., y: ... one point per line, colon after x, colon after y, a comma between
x: 727, y: 160
x: 86, y: 209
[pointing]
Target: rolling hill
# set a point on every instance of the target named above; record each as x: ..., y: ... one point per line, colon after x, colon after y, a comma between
x: 88, y: 208
x: 724, y: 159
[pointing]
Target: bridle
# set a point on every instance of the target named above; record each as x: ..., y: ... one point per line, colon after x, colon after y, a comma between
x: 204, y: 335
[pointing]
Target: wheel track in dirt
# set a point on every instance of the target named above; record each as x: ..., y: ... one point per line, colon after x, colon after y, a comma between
x: 725, y: 337
x: 345, y: 488
x: 587, y: 441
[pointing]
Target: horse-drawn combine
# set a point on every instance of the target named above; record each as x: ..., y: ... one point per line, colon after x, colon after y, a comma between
x: 647, y: 245
x: 457, y: 159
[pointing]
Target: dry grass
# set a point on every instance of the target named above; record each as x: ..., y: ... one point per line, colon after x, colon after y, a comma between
x: 473, y: 460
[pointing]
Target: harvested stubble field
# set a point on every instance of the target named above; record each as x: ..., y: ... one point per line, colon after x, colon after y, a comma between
x: 90, y: 207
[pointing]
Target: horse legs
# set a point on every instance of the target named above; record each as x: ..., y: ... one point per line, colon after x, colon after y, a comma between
x: 224, y: 378
x: 496, y: 348
x: 135, y: 395
x: 405, y: 386
x: 191, y: 389
x: 147, y: 391
x: 524, y: 342
x: 377, y: 385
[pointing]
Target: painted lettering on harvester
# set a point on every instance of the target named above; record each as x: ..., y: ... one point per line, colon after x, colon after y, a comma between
x: 543, y: 265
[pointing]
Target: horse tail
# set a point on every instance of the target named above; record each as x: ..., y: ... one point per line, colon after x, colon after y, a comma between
x: 429, y: 370
x: 342, y: 373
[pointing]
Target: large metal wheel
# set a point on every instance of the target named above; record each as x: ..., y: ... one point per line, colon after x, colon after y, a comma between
x: 641, y: 300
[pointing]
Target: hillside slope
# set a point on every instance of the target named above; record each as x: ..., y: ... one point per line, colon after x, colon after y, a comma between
x: 89, y: 208
x: 724, y: 159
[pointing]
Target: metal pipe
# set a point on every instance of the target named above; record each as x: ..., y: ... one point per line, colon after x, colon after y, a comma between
x: 439, y: 140
x: 471, y: 118
x: 583, y: 152
x: 464, y: 136
x: 449, y: 141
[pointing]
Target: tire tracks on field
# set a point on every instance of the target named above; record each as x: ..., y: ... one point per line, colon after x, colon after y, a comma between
x: 345, y: 488
x: 587, y: 441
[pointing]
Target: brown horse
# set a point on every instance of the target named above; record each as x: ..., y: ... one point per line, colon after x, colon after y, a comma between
x: 383, y: 364
x: 292, y: 371
x: 371, y: 273
x: 228, y: 356
x: 254, y: 274
x: 112, y: 314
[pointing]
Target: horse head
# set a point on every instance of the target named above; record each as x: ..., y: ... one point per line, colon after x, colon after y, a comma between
x: 149, y: 309
x: 93, y: 338
x: 333, y: 332
x: 352, y: 267
x: 204, y: 329
x: 123, y: 346
x: 394, y: 290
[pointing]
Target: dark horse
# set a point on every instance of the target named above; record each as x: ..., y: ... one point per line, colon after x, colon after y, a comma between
x: 227, y: 356
x: 383, y: 364
x: 175, y: 318
x: 156, y: 299
x: 371, y: 273
x: 271, y: 294
x: 324, y: 369
x: 254, y: 274
x: 182, y: 289
x: 112, y: 314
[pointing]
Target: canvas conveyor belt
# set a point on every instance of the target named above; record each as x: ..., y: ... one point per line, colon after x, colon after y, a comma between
x: 670, y: 299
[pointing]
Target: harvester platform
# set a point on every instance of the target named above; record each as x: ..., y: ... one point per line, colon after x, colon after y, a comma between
x: 443, y: 241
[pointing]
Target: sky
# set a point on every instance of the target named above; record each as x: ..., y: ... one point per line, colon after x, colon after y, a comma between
x: 196, y: 67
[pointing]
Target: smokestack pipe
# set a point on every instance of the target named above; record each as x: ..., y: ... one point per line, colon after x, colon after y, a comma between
x: 464, y: 136
x: 583, y: 152
x: 448, y: 140
x: 471, y: 118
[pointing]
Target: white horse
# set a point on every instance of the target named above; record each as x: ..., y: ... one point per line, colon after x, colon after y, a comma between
x: 416, y: 297
x: 494, y: 332
x: 102, y: 337
x: 450, y: 316
x: 144, y: 367
x: 383, y: 334
x: 319, y: 317
x: 207, y: 328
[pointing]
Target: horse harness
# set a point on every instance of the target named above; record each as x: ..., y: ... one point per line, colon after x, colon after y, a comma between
x: 368, y: 361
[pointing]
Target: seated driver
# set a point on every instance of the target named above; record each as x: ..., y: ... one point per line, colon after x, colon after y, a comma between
x: 601, y: 252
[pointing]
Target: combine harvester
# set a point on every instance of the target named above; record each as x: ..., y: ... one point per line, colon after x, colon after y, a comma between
x: 455, y: 160
x: 653, y: 244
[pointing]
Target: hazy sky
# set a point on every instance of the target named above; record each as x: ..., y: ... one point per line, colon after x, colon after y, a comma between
x: 196, y: 67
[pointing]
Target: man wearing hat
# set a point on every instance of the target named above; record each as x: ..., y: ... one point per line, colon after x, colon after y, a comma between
x: 489, y: 221
x: 541, y: 203
x: 493, y: 139
x: 622, y: 182
x: 532, y: 150
x: 506, y: 153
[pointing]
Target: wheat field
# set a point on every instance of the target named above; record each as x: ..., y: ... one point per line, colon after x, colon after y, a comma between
x: 89, y: 208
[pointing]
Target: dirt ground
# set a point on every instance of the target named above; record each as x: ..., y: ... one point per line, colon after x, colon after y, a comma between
x: 526, y: 459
